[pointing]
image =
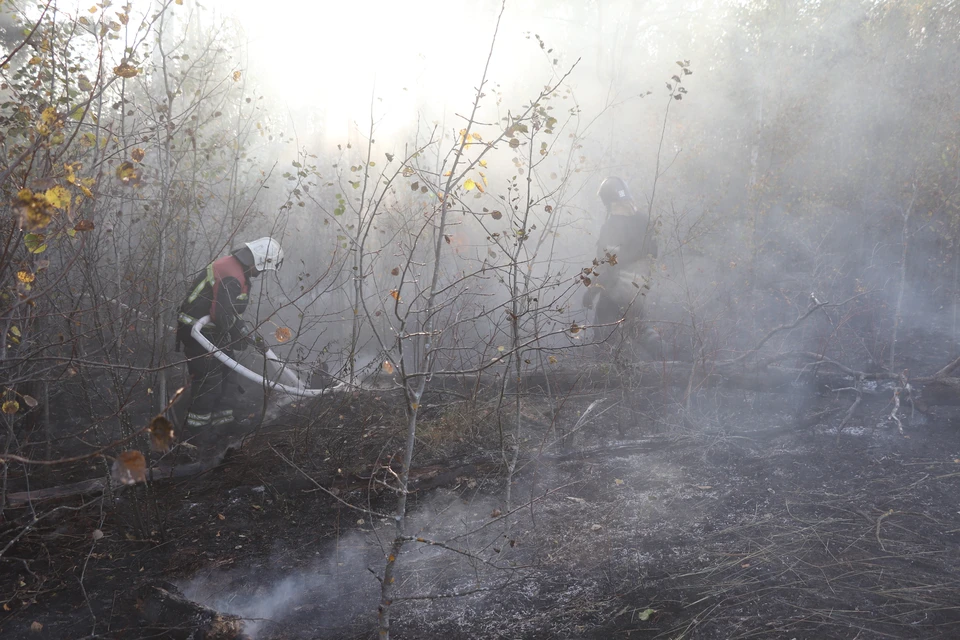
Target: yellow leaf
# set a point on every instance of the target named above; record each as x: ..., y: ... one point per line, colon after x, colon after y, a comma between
x: 469, y: 185
x: 58, y: 197
x: 552, y: 359
x: 475, y: 136
x: 282, y: 334
x: 179, y: 1
x: 137, y: 154
x: 236, y: 76
x: 128, y: 174
x: 483, y: 163
x: 85, y: 190
x: 388, y: 367
x: 395, y: 294
x: 25, y: 277
x: 34, y: 60
x: 10, y: 407
x: 34, y: 209
x: 126, y: 70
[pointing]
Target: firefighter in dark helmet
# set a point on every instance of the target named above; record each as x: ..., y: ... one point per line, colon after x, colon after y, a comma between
x: 626, y: 247
x: 222, y: 292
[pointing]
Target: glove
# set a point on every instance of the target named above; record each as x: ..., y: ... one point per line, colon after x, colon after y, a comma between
x: 255, y: 341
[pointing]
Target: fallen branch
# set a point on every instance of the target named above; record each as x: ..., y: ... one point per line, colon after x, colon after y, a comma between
x: 170, y: 614
x: 896, y: 409
x: 99, y: 485
x: 852, y: 409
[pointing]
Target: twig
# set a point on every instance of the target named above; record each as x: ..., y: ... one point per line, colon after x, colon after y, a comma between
x: 896, y: 408
x: 792, y: 325
x: 324, y: 489
x: 30, y: 525
x: 879, y: 520
x: 852, y: 409
x: 773, y: 332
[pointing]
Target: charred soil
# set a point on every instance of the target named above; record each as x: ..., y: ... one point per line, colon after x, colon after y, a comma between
x: 716, y: 523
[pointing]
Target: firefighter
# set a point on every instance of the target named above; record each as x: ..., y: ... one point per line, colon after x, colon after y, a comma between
x: 626, y: 246
x: 222, y: 292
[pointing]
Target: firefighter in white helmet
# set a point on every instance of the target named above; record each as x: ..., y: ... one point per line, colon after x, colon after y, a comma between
x: 222, y: 292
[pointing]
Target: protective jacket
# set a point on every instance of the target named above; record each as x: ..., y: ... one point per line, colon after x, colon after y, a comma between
x: 628, y: 238
x: 623, y: 246
x: 222, y: 292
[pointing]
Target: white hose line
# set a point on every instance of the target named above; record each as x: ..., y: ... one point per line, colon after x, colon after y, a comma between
x: 298, y: 390
x: 282, y: 368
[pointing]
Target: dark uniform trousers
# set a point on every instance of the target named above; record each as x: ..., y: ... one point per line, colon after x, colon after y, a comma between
x: 213, y: 397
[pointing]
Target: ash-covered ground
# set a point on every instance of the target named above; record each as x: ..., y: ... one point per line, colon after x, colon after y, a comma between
x: 744, y: 515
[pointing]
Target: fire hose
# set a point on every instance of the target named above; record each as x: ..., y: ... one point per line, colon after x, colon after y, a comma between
x: 298, y: 388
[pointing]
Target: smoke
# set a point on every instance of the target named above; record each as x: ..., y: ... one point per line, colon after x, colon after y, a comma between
x: 331, y: 586
x: 335, y: 587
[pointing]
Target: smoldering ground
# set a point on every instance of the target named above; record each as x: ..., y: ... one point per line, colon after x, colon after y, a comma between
x: 335, y: 587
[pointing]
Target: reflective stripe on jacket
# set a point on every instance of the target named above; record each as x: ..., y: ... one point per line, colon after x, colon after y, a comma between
x: 221, y: 291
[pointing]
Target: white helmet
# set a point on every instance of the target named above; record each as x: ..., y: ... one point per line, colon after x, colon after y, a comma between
x: 267, y: 254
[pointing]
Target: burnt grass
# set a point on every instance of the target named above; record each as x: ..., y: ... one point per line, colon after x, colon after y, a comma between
x: 743, y: 516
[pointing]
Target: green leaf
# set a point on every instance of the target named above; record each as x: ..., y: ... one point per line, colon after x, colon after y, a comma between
x: 645, y: 615
x: 35, y: 242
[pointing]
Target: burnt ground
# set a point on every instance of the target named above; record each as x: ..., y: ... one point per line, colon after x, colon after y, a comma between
x: 746, y: 517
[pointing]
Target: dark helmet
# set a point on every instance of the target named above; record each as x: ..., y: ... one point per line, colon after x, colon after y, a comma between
x: 613, y: 190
